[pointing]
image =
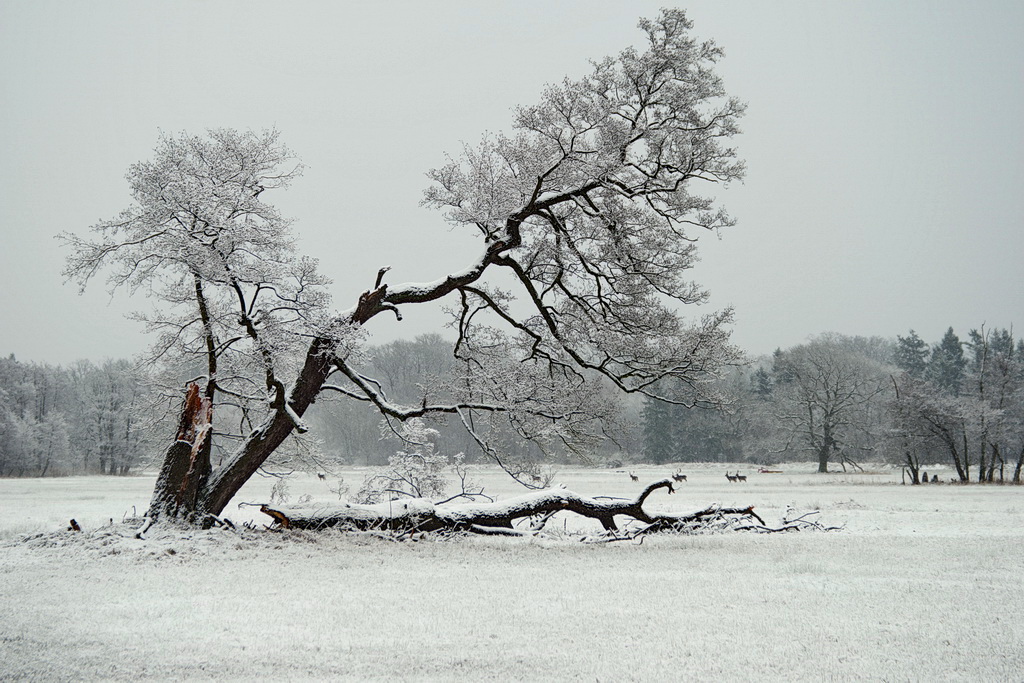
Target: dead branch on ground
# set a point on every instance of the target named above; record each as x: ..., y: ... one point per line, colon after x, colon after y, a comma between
x: 535, y: 507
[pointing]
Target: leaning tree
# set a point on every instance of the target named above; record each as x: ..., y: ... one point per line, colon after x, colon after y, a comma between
x: 588, y: 207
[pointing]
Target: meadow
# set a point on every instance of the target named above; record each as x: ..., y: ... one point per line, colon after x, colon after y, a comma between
x: 921, y: 583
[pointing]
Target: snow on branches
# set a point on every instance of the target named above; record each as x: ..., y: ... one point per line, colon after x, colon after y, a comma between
x: 202, y: 239
x: 586, y: 209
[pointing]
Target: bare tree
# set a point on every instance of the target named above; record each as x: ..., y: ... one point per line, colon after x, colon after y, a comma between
x: 588, y: 207
x: 824, y: 393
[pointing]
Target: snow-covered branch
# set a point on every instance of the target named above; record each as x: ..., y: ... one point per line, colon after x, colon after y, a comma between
x: 422, y: 515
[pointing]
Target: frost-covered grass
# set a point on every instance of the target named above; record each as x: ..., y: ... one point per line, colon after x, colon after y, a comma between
x: 924, y: 583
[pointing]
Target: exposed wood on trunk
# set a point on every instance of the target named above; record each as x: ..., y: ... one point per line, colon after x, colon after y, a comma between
x: 278, y: 517
x: 186, y: 465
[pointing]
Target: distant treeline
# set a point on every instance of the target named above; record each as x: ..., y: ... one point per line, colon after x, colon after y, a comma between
x: 836, y: 400
x: 80, y: 419
x: 843, y: 400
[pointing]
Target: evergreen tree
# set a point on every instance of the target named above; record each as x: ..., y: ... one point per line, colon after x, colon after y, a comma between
x: 996, y: 342
x: 706, y: 436
x: 946, y: 367
x: 658, y: 423
x: 781, y: 372
x: 761, y: 384
x: 911, y: 355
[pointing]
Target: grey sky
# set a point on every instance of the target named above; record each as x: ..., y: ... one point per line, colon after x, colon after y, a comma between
x: 884, y: 143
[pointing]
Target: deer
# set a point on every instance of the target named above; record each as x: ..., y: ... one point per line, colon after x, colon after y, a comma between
x: 321, y: 476
x: 634, y: 477
x: 740, y: 477
x: 731, y: 477
x: 679, y: 477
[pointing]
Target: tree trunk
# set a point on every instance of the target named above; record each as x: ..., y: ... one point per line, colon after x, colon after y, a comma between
x: 982, y: 462
x: 186, y: 466
x: 262, y: 442
x: 954, y: 454
x: 823, y: 459
x: 230, y: 477
x: 914, y: 467
x: 967, y: 458
x: 188, y: 488
x: 996, y: 459
x: 827, y: 443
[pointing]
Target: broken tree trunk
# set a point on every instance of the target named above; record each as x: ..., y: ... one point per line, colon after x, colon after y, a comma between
x: 418, y: 514
x: 186, y: 466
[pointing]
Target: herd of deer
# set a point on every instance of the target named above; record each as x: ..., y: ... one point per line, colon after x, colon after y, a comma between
x: 677, y: 476
x: 682, y: 477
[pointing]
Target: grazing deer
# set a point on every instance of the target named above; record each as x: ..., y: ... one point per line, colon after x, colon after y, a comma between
x: 322, y: 476
x: 740, y: 477
x: 536, y: 478
x: 679, y: 477
x: 634, y: 477
x: 731, y: 477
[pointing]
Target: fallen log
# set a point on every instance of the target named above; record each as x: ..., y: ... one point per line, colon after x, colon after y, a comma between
x: 418, y: 514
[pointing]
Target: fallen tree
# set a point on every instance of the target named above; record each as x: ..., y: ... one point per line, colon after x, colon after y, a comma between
x: 499, y: 517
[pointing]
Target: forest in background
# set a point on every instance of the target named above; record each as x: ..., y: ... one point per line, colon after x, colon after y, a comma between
x: 835, y: 400
x: 80, y: 419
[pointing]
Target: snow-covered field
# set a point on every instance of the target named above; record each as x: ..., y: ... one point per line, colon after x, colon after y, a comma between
x: 924, y: 583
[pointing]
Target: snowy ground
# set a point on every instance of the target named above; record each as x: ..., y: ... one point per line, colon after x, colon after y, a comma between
x: 924, y: 583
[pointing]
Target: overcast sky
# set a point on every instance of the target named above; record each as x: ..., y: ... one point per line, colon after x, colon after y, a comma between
x: 883, y: 139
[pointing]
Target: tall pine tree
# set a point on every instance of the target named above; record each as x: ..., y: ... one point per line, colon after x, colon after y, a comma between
x: 911, y: 354
x: 946, y: 367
